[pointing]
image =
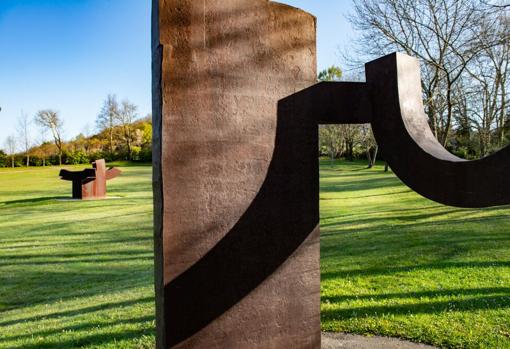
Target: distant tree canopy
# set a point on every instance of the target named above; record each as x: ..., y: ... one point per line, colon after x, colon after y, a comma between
x: 333, y: 73
x: 349, y: 141
x: 121, y: 135
x: 51, y: 120
x: 3, y: 158
x: 464, y: 49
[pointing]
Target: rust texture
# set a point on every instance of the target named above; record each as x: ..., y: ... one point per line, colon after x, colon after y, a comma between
x: 236, y: 184
x: 237, y: 248
x: 401, y: 128
x: 90, y: 184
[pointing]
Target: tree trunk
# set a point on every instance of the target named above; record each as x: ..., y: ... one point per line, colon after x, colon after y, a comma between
x: 502, y: 116
x: 386, y: 167
x: 376, y: 151
x: 111, y: 141
x: 369, y: 158
x: 128, y: 143
x: 130, y: 156
x: 446, y: 131
x: 12, y: 161
x: 350, y: 150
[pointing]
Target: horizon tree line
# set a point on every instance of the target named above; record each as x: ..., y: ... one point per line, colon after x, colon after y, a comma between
x: 121, y: 134
x: 464, y: 50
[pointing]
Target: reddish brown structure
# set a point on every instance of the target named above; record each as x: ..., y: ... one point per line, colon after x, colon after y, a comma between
x: 236, y: 182
x: 401, y: 128
x: 237, y: 246
x: 90, y: 184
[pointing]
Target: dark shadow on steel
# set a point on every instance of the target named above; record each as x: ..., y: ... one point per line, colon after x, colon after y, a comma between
x: 90, y: 184
x: 263, y: 238
x: 401, y: 128
x: 269, y: 232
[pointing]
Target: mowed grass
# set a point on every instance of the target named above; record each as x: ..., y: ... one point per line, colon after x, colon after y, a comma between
x: 80, y: 274
x: 75, y: 274
x: 396, y: 264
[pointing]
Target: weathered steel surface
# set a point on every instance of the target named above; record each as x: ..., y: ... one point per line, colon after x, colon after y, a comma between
x: 90, y: 184
x: 391, y: 100
x: 407, y: 143
x: 236, y: 181
x: 238, y: 266
x: 334, y: 103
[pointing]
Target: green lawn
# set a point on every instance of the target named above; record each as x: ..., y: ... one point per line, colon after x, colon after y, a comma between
x: 79, y: 274
x: 75, y: 274
x: 396, y: 264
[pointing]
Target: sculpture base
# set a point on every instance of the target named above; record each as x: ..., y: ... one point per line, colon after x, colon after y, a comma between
x: 92, y: 199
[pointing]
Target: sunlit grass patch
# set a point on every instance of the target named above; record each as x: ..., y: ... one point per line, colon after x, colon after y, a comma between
x: 396, y: 264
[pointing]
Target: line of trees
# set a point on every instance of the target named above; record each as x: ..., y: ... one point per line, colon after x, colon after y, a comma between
x: 345, y: 140
x: 120, y: 135
x: 464, y: 49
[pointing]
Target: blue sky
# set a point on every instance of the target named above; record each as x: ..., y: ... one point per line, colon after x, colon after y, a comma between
x: 69, y: 54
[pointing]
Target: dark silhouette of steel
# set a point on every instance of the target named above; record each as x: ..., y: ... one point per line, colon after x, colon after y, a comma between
x: 236, y: 175
x: 90, y: 184
x: 401, y: 129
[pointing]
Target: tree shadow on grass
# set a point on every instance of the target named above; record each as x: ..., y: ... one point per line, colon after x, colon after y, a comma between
x: 378, y: 219
x: 410, y: 221
x: 43, y: 286
x: 70, y: 255
x: 11, y: 244
x: 32, y: 201
x: 378, y: 212
x: 68, y: 227
x: 470, y: 304
x: 368, y: 196
x: 97, y: 340
x: 360, y: 185
x: 341, y: 174
x: 47, y: 262
x: 388, y: 270
x: 459, y: 292
x: 75, y: 312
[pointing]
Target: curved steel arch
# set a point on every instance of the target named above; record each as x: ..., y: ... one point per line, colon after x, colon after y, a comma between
x: 401, y: 129
x: 236, y: 175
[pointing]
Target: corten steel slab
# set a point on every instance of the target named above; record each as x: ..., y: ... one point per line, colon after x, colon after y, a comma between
x: 236, y: 173
x: 401, y: 128
x: 236, y: 177
x: 90, y: 184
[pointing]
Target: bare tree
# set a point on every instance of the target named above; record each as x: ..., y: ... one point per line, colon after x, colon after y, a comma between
x: 45, y: 148
x: 107, y: 120
x: 487, y: 89
x: 350, y: 137
x: 368, y: 142
x: 51, y: 120
x: 125, y: 118
x: 331, y: 140
x: 24, y: 135
x: 498, y: 5
x: 10, y: 147
x: 443, y: 34
x: 331, y: 137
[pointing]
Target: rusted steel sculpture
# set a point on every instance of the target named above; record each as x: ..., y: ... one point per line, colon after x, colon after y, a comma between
x: 90, y: 184
x: 236, y: 111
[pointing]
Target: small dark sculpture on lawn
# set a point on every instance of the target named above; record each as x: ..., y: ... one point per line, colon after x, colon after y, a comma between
x: 90, y: 184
